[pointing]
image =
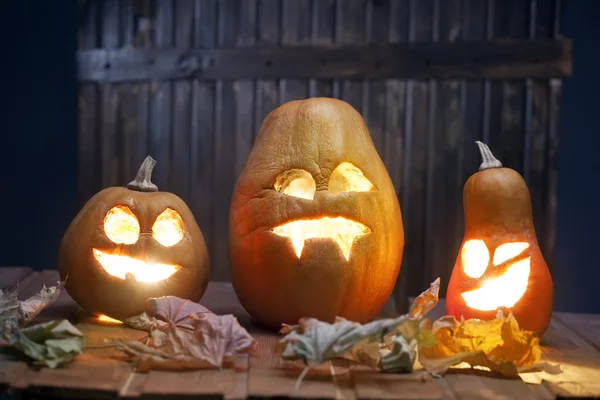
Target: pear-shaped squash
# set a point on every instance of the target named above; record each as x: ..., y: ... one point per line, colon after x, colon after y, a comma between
x: 500, y: 264
x: 315, y: 228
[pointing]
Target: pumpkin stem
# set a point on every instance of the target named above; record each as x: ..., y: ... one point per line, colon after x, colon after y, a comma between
x: 489, y: 161
x: 142, y: 181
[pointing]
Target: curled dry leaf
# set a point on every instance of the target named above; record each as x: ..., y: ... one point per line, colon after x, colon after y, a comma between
x: 386, y: 344
x: 25, y: 311
x: 192, y: 338
x: 498, y: 345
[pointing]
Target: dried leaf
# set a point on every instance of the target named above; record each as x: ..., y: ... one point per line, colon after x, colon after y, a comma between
x: 25, y: 311
x: 426, y: 301
x: 498, y: 345
x: 192, y: 338
x: 387, y: 344
x: 30, y: 308
x: 144, y: 322
x: 50, y: 344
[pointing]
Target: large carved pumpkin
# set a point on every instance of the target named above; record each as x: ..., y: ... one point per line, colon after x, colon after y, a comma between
x: 315, y: 228
x: 500, y: 263
x: 129, y: 244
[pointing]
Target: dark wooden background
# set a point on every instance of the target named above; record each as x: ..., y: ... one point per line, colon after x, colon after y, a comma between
x: 161, y: 78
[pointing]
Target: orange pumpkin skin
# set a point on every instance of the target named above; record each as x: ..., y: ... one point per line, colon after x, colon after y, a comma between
x: 100, y: 293
x: 497, y: 210
x: 275, y: 285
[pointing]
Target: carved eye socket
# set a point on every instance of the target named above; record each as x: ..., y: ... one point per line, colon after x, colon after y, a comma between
x: 349, y: 178
x: 168, y: 228
x: 121, y: 226
x: 507, y: 251
x: 297, y: 183
x: 475, y: 258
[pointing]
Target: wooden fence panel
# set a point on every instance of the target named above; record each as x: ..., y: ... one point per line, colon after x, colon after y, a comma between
x: 159, y: 77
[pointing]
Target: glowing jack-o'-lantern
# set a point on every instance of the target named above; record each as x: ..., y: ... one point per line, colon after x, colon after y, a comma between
x: 129, y: 244
x: 500, y: 264
x: 315, y: 227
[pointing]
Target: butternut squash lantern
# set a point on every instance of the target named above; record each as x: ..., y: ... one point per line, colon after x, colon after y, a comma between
x: 500, y: 264
x: 129, y: 244
x: 315, y: 228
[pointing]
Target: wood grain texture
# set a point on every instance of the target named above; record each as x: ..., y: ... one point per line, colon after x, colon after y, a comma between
x: 467, y: 60
x: 571, y: 341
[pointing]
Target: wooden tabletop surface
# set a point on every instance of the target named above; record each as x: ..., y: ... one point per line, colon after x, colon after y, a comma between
x: 572, y: 341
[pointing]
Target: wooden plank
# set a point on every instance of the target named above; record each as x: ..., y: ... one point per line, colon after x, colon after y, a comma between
x: 374, y: 92
x: 395, y: 134
x: 12, y: 276
x: 548, y: 239
x: 375, y: 385
x: 415, y: 160
x: 444, y: 186
x: 160, y: 131
x: 351, y: 27
x: 89, y: 169
x: 468, y: 386
x: 295, y: 30
x: 244, y: 93
x: 181, y: 136
x: 537, y: 119
x: 578, y: 359
x: 586, y: 325
x: 322, y: 33
x: 267, y: 91
x: 508, y: 59
x: 203, y: 127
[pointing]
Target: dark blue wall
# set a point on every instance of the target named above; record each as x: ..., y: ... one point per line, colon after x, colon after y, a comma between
x: 38, y: 146
x: 577, y: 271
x: 39, y: 143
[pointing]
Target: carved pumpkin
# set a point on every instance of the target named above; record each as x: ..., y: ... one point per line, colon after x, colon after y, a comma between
x: 500, y: 263
x: 315, y: 228
x: 129, y: 244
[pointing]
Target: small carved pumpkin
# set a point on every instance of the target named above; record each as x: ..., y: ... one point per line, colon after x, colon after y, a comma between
x: 500, y: 263
x: 315, y: 228
x: 129, y: 244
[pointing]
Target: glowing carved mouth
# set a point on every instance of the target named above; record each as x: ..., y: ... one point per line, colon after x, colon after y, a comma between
x: 341, y: 230
x: 503, y: 291
x: 129, y: 268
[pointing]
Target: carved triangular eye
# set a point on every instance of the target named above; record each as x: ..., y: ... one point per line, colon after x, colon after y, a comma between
x: 475, y: 258
x: 121, y: 226
x: 506, y: 251
x: 168, y: 228
x: 296, y: 183
x: 349, y: 178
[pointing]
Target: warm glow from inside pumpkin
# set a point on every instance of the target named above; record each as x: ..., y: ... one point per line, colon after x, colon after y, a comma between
x: 296, y: 183
x: 349, y: 178
x: 168, y: 228
x: 341, y: 230
x: 475, y: 258
x: 108, y: 320
x: 121, y: 226
x: 504, y: 290
x: 129, y: 268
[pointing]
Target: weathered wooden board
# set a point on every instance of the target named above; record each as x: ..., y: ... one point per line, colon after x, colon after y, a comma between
x: 571, y: 341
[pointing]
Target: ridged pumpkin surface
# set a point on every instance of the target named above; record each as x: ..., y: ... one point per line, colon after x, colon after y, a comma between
x: 497, y: 211
x: 313, y: 140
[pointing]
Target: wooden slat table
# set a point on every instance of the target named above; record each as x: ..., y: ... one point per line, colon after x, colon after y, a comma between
x: 573, y: 341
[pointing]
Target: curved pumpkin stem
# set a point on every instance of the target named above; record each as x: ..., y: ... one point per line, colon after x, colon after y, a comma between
x: 489, y: 161
x: 142, y: 181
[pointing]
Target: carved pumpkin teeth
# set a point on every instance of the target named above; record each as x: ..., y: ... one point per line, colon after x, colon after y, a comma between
x: 128, y: 268
x: 503, y: 291
x: 341, y: 230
